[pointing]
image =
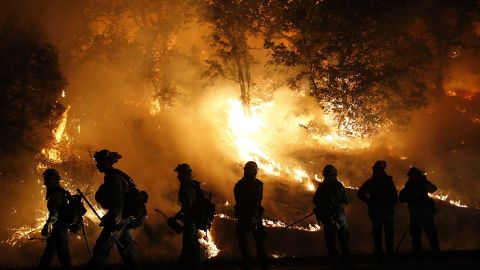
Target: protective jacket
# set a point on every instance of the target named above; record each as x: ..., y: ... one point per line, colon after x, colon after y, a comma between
x: 57, y: 205
x: 187, y: 197
x: 379, y: 192
x: 57, y: 241
x: 248, y: 197
x: 329, y: 199
x: 111, y: 196
x: 415, y: 193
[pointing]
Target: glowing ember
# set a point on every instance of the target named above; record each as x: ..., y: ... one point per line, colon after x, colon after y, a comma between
x: 206, y: 240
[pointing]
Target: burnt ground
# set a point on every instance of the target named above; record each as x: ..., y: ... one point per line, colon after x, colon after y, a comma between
x: 448, y: 260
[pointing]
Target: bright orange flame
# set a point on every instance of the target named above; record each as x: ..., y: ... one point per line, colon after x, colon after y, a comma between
x: 249, y: 133
x: 445, y: 197
x: 206, y: 240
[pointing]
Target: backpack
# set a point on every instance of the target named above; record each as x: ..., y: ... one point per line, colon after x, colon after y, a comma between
x: 135, y: 202
x: 204, y: 209
x: 74, y: 212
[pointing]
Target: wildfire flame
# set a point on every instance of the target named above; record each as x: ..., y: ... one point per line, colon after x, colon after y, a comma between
x: 53, y: 153
x: 206, y: 240
x: 277, y: 224
x: 246, y: 130
x: 25, y: 232
x: 445, y: 197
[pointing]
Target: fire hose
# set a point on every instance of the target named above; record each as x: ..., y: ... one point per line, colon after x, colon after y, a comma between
x: 115, y: 238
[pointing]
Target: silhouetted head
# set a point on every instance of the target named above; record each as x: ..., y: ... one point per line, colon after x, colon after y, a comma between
x: 414, y: 171
x: 329, y: 171
x: 51, y: 177
x: 105, y: 159
x: 379, y: 166
x: 250, y: 170
x: 184, y: 172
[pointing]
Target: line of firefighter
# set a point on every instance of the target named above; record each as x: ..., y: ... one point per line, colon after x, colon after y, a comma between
x: 330, y: 199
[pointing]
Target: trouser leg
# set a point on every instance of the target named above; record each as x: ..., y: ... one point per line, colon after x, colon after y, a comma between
x: 259, y: 235
x: 389, y: 229
x: 190, y: 255
x: 57, y: 243
x: 431, y: 232
x: 416, y: 233
x: 48, y: 253
x: 344, y: 239
x: 63, y: 251
x: 196, y: 258
x: 330, y: 235
x: 129, y: 252
x: 377, y: 238
x: 102, y: 249
x: 242, y: 235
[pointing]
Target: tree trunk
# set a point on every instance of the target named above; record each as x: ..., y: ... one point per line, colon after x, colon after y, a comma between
x: 440, y: 65
x: 247, y: 76
x: 241, y: 80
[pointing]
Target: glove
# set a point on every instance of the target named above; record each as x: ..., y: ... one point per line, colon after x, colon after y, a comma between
x: 44, y: 231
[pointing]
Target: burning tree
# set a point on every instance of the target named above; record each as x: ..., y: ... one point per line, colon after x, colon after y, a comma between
x: 356, y: 57
x: 30, y: 83
x: 232, y: 23
x: 160, y: 21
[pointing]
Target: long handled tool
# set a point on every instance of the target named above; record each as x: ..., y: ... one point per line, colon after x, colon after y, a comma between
x: 86, y: 240
x: 401, y: 239
x: 161, y: 212
x: 171, y: 222
x: 115, y: 238
x: 300, y: 220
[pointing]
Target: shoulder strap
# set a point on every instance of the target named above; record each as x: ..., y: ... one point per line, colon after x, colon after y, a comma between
x: 125, y: 177
x: 201, y: 193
